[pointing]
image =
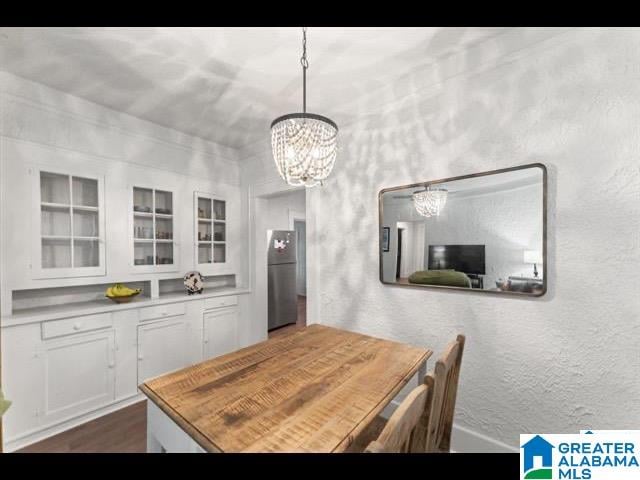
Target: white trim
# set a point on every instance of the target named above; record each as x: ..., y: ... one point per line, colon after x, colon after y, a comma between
x: 468, y: 441
x: 295, y: 215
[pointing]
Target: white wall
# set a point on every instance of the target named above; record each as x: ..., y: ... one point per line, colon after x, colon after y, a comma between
x: 43, y: 127
x: 281, y: 206
x: 559, y: 363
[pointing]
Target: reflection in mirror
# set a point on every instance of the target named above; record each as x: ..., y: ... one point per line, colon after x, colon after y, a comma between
x: 483, y: 232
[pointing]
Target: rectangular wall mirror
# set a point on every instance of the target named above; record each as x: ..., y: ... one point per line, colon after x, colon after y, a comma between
x: 484, y: 232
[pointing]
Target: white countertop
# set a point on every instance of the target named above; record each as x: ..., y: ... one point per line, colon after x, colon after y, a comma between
x: 40, y: 314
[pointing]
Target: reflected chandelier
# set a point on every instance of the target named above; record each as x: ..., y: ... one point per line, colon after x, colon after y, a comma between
x: 430, y: 202
x: 304, y: 144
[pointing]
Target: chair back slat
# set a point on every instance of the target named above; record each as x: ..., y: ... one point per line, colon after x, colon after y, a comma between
x: 397, y: 435
x: 445, y: 380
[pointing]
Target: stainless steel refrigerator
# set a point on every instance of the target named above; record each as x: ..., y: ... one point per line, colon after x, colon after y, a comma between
x: 281, y: 260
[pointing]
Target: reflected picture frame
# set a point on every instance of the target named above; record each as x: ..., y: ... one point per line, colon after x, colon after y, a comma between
x: 386, y: 234
x: 537, y: 293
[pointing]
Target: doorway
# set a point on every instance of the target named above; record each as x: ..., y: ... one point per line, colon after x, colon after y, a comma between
x: 280, y: 260
x: 399, y: 254
x: 300, y: 227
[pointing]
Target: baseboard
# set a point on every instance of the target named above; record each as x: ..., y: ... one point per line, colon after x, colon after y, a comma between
x: 464, y: 440
x: 25, y: 440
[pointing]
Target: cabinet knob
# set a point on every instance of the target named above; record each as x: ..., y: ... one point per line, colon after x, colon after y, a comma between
x: 111, y: 365
x: 140, y: 357
x: 206, y: 340
x: 164, y: 314
x: 77, y: 325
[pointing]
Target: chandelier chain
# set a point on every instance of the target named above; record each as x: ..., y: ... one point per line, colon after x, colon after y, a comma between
x: 303, y: 60
x: 305, y: 64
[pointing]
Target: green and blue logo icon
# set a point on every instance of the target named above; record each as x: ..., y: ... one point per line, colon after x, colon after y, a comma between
x: 538, y: 459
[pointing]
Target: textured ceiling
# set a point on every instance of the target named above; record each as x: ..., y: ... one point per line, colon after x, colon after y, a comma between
x: 225, y: 84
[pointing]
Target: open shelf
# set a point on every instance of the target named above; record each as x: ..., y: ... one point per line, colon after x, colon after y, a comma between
x: 173, y: 286
x: 71, y: 297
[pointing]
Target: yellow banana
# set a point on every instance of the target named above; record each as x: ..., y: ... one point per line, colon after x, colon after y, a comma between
x: 119, y: 290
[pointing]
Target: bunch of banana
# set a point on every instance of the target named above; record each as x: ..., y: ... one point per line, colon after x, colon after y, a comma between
x: 119, y: 290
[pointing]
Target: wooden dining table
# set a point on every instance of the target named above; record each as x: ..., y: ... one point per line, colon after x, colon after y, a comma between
x: 312, y: 390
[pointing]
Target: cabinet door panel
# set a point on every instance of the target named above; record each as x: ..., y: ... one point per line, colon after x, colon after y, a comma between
x: 220, y: 332
x: 79, y: 374
x: 161, y: 348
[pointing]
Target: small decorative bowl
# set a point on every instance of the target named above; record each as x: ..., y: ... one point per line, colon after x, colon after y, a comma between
x: 126, y: 299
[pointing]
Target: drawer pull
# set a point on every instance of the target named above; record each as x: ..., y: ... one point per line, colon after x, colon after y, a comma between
x: 77, y: 325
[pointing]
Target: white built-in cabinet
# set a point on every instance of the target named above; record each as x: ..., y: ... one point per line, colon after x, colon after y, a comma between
x: 161, y: 347
x: 219, y: 332
x: 153, y: 230
x: 210, y: 223
x: 68, y: 224
x: 78, y: 374
x: 56, y: 371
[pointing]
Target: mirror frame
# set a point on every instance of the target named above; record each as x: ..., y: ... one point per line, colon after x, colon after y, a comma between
x: 461, y: 177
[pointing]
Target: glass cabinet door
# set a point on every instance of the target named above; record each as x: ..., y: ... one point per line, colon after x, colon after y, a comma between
x: 210, y: 229
x: 153, y: 230
x: 70, y: 237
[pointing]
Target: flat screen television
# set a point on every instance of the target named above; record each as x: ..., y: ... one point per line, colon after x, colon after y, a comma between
x: 462, y: 258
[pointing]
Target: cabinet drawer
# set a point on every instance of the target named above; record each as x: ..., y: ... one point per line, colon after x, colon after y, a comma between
x: 68, y: 326
x: 218, y: 302
x: 161, y: 311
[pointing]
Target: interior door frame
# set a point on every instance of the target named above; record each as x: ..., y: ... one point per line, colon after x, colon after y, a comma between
x: 299, y: 216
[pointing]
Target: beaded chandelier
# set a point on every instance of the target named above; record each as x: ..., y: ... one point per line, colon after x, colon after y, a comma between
x: 430, y: 202
x: 304, y: 144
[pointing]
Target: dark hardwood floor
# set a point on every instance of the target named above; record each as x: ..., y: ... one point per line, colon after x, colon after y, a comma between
x: 123, y: 431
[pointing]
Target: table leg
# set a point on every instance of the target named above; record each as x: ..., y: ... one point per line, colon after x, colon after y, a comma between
x: 153, y: 445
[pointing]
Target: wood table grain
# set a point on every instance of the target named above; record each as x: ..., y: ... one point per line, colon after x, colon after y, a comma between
x: 312, y: 390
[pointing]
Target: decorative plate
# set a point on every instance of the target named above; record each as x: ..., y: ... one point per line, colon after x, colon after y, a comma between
x: 193, y: 282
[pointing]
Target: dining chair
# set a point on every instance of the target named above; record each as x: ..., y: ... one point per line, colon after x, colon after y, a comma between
x: 431, y: 432
x: 402, y: 433
x: 445, y: 388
